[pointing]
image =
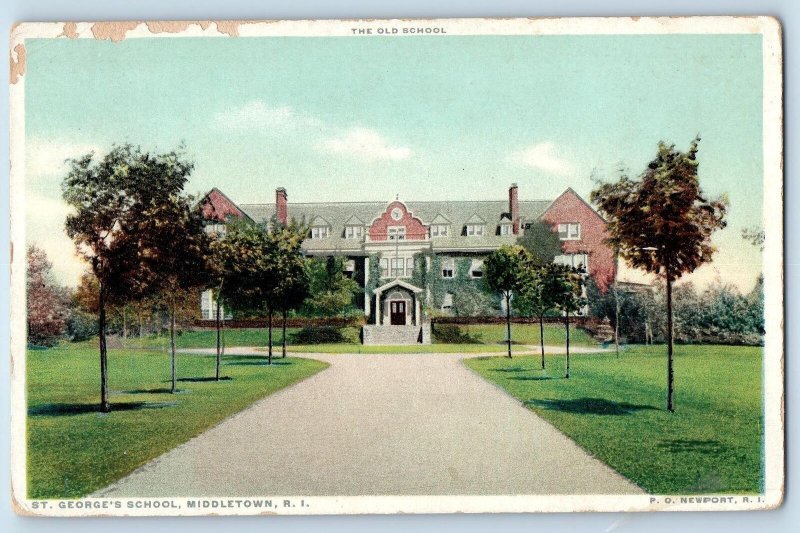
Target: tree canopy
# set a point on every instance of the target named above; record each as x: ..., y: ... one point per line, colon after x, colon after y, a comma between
x: 541, y: 241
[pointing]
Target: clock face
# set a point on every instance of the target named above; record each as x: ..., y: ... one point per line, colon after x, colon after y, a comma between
x: 397, y: 214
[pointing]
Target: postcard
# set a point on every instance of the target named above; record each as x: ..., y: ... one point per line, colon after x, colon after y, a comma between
x: 397, y: 266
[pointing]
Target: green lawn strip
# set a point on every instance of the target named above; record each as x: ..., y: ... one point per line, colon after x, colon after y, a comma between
x: 398, y: 349
x: 554, y: 334
x: 615, y: 409
x: 74, y: 450
x: 489, y: 337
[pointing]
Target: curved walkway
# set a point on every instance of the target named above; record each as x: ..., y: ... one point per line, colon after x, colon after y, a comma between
x: 378, y: 425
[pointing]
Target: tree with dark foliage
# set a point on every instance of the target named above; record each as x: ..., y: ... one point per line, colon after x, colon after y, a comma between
x: 117, y: 200
x: 662, y: 222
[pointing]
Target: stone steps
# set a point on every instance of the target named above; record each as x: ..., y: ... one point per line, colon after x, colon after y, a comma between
x: 396, y: 335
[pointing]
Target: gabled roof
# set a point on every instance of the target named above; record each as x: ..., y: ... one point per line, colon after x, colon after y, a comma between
x: 440, y: 219
x: 318, y: 221
x: 475, y: 219
x: 354, y: 221
x: 398, y: 283
x: 571, y: 191
x: 505, y: 218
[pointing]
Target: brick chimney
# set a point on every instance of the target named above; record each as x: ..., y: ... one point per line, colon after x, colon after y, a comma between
x: 513, y: 207
x: 281, y: 200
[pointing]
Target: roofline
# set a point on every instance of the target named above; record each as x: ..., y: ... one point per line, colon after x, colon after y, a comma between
x: 403, y: 201
x: 571, y: 190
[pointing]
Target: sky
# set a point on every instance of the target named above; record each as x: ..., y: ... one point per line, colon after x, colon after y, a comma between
x: 422, y: 118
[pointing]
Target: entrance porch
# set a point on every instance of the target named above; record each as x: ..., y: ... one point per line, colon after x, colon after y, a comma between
x: 398, y: 316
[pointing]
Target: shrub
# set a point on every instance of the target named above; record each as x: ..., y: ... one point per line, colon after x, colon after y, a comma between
x: 453, y: 334
x: 325, y: 335
x: 81, y: 326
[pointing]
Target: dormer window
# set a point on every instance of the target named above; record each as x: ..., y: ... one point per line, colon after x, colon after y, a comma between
x: 569, y: 232
x: 474, y: 230
x: 440, y: 230
x: 354, y: 232
x: 506, y: 229
x: 320, y: 232
x: 475, y: 226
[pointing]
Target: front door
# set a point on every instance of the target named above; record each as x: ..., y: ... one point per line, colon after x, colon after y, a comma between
x: 397, y: 315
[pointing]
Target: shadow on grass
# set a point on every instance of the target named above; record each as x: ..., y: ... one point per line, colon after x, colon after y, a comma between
x: 72, y: 409
x: 205, y: 380
x: 147, y: 391
x: 589, y: 406
x: 255, y: 360
x: 513, y: 369
x: 708, y: 446
x: 534, y: 378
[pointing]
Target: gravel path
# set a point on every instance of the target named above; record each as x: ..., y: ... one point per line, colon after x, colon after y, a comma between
x: 378, y: 425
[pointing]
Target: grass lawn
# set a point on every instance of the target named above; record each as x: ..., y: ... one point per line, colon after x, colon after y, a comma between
x: 488, y: 338
x: 616, y: 410
x: 554, y: 334
x: 74, y: 450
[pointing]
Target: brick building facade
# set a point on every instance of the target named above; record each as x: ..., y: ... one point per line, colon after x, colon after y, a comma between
x: 407, y: 254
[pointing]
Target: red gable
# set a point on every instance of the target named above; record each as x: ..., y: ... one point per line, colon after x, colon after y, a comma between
x: 217, y: 206
x: 397, y: 214
x: 569, y: 208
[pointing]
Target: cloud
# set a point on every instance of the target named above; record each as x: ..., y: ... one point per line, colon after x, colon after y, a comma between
x: 46, y: 158
x: 256, y: 115
x: 364, y: 143
x: 44, y: 226
x: 544, y: 156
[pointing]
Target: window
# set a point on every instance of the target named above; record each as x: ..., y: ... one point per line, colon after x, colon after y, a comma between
x: 474, y: 230
x: 216, y: 228
x: 506, y: 229
x: 354, y: 232
x: 384, y: 268
x: 573, y: 260
x: 350, y: 265
x: 569, y: 232
x: 409, y: 267
x: 448, y: 268
x: 440, y: 230
x: 397, y: 233
x: 476, y: 269
x: 447, y: 302
x: 320, y: 232
x: 398, y: 266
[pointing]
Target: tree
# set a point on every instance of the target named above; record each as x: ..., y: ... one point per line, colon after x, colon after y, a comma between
x: 565, y: 287
x: 115, y: 201
x: 535, y: 296
x: 291, y: 286
x: 46, y: 301
x: 503, y: 272
x: 662, y: 222
x: 250, y: 271
x: 330, y: 291
x: 541, y: 241
x: 183, y: 256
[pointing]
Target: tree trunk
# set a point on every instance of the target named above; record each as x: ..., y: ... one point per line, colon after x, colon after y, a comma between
x: 219, y: 339
x: 124, y: 327
x: 541, y: 336
x: 101, y: 330
x: 616, y: 318
x: 670, y: 375
x: 283, y: 336
x: 508, y: 322
x: 173, y: 362
x: 141, y: 325
x: 269, y: 336
x: 567, y: 323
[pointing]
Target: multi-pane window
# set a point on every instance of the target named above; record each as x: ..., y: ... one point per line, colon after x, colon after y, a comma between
x: 476, y: 268
x: 569, y: 232
x: 215, y: 228
x: 440, y: 230
x: 397, y: 233
x: 573, y: 260
x: 506, y: 229
x: 354, y: 232
x: 320, y: 232
x: 448, y: 268
x: 397, y: 267
x: 474, y: 230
